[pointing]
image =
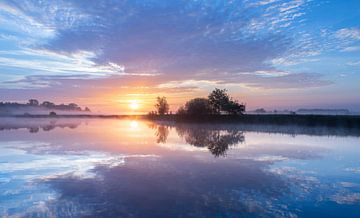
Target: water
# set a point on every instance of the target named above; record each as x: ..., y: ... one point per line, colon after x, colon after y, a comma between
x: 134, y: 168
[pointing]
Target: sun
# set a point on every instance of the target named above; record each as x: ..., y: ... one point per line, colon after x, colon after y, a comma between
x: 134, y: 104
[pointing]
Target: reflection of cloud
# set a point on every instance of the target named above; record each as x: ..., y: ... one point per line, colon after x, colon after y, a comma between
x: 355, y: 63
x: 67, y: 179
x: 24, y: 164
x: 353, y: 169
x: 46, y: 158
x: 347, y: 198
x: 271, y: 158
x: 175, y: 187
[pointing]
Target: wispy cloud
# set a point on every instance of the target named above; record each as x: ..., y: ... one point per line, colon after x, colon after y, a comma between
x: 349, y: 33
x: 351, y: 48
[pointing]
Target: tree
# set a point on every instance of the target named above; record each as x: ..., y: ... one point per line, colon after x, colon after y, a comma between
x: 233, y: 107
x: 48, y: 104
x: 33, y: 102
x: 218, y: 98
x: 162, y: 106
x: 220, y: 101
x: 181, y: 111
x: 73, y: 106
x: 198, y: 106
x: 260, y: 110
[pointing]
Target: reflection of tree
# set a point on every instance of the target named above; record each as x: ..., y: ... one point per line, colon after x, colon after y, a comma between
x: 34, y: 126
x: 34, y: 129
x: 162, y: 133
x: 221, y: 143
x: 217, y: 141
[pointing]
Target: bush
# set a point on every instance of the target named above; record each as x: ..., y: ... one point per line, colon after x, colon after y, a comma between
x: 197, y: 106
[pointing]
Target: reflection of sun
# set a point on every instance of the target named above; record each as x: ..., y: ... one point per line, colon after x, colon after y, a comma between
x: 134, y: 104
x: 134, y: 125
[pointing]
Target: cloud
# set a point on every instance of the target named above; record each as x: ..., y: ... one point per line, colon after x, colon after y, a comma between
x: 351, y: 48
x: 158, y: 46
x: 193, y: 40
x: 171, y: 37
x: 349, y: 33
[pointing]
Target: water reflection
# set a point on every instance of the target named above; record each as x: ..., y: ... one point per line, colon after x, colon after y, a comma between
x: 174, y: 188
x: 161, y: 132
x: 35, y: 125
x: 145, y: 169
x: 217, y: 140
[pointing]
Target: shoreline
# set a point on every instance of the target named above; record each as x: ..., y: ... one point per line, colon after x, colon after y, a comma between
x: 344, y: 121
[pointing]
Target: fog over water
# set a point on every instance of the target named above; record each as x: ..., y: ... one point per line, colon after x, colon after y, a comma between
x: 138, y: 168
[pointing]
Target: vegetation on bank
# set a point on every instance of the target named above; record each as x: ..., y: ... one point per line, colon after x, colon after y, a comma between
x: 34, y: 106
x: 218, y: 102
x: 219, y: 107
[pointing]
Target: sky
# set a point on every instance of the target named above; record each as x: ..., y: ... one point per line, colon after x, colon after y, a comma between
x: 108, y: 54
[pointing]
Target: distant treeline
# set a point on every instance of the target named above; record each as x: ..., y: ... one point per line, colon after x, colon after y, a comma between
x: 34, y: 106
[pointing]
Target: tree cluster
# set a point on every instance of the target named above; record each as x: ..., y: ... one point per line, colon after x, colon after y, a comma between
x: 218, y: 102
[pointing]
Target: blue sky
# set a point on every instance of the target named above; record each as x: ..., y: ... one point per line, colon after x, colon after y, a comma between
x: 267, y: 53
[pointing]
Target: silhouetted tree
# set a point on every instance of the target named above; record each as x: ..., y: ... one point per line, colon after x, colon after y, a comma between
x: 74, y: 106
x: 33, y: 102
x: 218, y: 98
x: 48, y: 104
x: 162, y: 106
x: 233, y: 107
x: 198, y: 106
x: 260, y: 110
x: 220, y: 101
x: 181, y: 111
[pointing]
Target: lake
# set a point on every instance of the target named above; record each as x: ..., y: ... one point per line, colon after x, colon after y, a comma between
x: 138, y: 168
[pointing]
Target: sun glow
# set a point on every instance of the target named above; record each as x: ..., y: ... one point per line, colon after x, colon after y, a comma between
x: 134, y: 104
x: 134, y: 125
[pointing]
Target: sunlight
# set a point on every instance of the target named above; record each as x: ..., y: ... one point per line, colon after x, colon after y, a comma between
x: 134, y: 125
x: 134, y: 104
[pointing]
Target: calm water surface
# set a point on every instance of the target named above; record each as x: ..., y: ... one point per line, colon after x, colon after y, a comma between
x: 134, y: 168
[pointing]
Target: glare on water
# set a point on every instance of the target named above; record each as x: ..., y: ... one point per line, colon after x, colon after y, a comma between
x: 69, y: 167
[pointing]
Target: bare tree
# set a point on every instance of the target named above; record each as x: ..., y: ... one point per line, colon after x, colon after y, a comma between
x: 162, y: 106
